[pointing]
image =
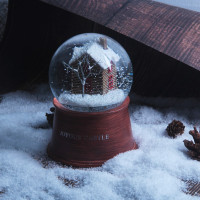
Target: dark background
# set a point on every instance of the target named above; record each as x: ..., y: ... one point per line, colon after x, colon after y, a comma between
x: 35, y: 29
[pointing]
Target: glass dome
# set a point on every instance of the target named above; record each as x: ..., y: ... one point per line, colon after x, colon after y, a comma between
x: 90, y: 73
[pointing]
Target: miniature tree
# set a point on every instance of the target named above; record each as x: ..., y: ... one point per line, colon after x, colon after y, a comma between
x: 83, y: 71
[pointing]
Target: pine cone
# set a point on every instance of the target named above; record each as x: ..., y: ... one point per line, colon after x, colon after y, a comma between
x: 194, y: 148
x: 50, y: 116
x: 175, y: 128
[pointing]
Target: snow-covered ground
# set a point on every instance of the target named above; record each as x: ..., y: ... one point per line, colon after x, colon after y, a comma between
x: 187, y: 4
x: 154, y: 171
x: 97, y: 101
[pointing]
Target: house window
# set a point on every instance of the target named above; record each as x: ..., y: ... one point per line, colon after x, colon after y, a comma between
x: 110, y: 82
x: 111, y: 67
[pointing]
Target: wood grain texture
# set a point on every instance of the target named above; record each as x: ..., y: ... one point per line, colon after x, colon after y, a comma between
x: 89, y: 139
x: 170, y: 30
x: 101, y: 11
x: 193, y: 187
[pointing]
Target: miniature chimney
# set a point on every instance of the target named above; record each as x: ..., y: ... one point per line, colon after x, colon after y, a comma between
x: 103, y: 42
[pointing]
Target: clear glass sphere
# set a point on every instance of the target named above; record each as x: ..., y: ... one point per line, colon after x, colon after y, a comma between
x: 90, y: 73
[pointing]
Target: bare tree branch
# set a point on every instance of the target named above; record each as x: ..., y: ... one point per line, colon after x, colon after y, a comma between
x: 83, y: 71
x: 68, y: 66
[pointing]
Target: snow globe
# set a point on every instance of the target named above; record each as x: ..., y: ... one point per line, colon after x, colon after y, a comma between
x: 90, y: 73
x: 90, y: 76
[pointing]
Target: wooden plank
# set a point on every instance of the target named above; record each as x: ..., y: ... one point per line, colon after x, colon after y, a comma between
x: 164, y: 28
x: 193, y: 188
x: 97, y: 11
x: 170, y: 30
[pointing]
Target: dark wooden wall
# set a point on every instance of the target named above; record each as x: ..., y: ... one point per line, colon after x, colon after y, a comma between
x: 36, y: 29
x: 170, y: 30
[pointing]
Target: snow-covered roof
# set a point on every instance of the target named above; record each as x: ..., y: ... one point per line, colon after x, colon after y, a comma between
x: 102, y: 56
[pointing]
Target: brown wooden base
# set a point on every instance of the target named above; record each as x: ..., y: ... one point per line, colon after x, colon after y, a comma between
x: 82, y: 139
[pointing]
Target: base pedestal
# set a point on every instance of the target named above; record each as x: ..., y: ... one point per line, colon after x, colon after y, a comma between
x: 82, y: 139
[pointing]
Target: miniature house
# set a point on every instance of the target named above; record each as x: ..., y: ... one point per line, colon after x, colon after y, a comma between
x: 98, y: 64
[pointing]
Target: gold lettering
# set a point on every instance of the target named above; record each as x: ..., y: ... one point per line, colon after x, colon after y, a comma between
x: 85, y: 137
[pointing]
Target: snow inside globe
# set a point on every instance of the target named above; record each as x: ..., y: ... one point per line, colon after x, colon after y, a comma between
x: 90, y: 73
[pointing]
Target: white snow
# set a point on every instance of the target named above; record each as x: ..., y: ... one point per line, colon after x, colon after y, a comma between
x: 102, y: 56
x: 187, y: 4
x: 153, y: 172
x: 112, y: 97
x: 77, y: 53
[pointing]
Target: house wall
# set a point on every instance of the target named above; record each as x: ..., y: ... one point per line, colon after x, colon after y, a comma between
x: 106, y: 75
x: 94, y: 81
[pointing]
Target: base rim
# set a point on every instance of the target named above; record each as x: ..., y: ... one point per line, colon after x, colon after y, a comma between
x: 82, y: 164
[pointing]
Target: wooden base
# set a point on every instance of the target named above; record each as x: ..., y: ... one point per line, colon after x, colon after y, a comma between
x: 82, y: 139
